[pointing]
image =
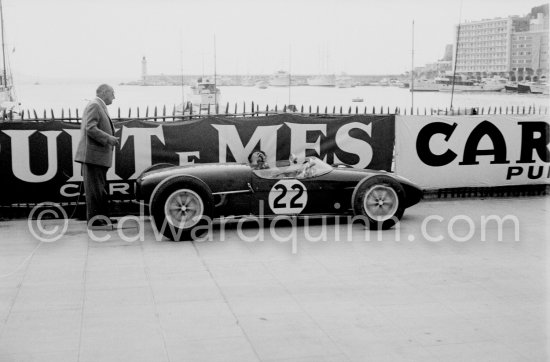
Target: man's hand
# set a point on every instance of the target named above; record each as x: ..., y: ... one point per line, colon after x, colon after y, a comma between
x: 113, y: 141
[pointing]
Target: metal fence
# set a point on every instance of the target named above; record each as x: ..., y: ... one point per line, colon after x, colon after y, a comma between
x: 164, y: 115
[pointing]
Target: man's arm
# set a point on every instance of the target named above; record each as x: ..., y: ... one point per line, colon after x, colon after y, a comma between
x: 92, y: 115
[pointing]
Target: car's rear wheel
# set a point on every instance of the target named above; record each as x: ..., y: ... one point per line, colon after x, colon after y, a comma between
x: 180, y: 208
x: 380, y: 199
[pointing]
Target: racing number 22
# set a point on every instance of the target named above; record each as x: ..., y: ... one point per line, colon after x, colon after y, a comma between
x: 293, y: 202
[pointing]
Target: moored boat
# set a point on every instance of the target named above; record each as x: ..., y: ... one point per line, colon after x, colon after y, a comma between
x: 280, y: 79
x: 533, y: 87
x: 446, y: 84
x: 328, y: 80
x: 511, y: 87
x: 262, y: 84
x: 344, y: 81
x: 202, y: 95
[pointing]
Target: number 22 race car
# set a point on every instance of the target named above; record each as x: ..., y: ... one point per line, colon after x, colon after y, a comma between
x: 183, y: 198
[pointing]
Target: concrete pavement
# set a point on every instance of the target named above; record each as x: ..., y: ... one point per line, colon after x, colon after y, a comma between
x: 76, y: 299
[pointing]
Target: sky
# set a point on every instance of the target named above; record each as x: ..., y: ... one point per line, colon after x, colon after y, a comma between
x: 106, y: 39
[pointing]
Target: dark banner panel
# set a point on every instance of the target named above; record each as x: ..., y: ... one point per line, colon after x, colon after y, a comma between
x: 36, y: 158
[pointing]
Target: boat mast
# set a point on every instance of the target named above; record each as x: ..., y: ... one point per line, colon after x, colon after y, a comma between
x: 456, y: 54
x: 412, y: 68
x: 289, y: 76
x: 5, y: 82
x: 181, y: 70
x: 215, y: 84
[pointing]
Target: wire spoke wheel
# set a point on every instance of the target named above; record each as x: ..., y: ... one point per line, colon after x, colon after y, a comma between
x: 380, y: 202
x: 183, y: 208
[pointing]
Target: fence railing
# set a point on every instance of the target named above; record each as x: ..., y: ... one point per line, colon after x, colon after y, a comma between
x: 253, y: 110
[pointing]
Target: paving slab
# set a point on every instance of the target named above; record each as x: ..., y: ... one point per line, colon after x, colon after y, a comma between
x: 478, y: 292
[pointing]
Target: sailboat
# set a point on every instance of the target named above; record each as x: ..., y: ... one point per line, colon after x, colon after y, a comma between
x: 8, y: 100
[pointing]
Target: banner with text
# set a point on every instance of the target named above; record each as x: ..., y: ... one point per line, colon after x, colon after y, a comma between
x: 36, y: 158
x: 473, y: 151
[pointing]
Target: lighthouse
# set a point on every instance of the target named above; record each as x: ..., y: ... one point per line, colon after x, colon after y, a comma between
x: 144, y: 70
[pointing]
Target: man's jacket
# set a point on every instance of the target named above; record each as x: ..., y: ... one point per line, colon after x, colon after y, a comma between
x: 96, y: 130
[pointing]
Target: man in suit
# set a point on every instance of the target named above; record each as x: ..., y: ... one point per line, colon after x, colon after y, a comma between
x: 95, y: 152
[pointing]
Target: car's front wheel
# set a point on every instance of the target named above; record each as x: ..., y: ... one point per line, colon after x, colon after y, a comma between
x: 380, y: 199
x: 179, y: 209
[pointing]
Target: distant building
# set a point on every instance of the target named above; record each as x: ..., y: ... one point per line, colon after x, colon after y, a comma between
x: 515, y: 46
x: 483, y: 46
x: 529, y: 49
x: 448, y: 56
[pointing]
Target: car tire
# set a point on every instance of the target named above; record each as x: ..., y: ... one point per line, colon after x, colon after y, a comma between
x: 380, y: 199
x: 181, y: 206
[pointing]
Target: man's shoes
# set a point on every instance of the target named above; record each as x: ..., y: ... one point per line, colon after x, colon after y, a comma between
x: 100, y: 225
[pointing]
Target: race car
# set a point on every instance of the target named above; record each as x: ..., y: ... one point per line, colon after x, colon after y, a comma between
x: 182, y: 199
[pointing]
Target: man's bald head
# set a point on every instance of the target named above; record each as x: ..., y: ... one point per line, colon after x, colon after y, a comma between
x: 106, y: 93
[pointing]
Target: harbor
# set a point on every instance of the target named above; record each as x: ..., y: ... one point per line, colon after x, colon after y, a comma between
x: 272, y: 181
x: 44, y: 97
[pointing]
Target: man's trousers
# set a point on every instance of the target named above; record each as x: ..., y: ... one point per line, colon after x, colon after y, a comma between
x: 95, y: 187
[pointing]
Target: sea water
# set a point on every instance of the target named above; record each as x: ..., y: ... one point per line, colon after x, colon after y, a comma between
x: 75, y: 96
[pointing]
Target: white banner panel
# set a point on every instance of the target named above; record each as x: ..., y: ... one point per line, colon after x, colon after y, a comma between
x: 473, y: 151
